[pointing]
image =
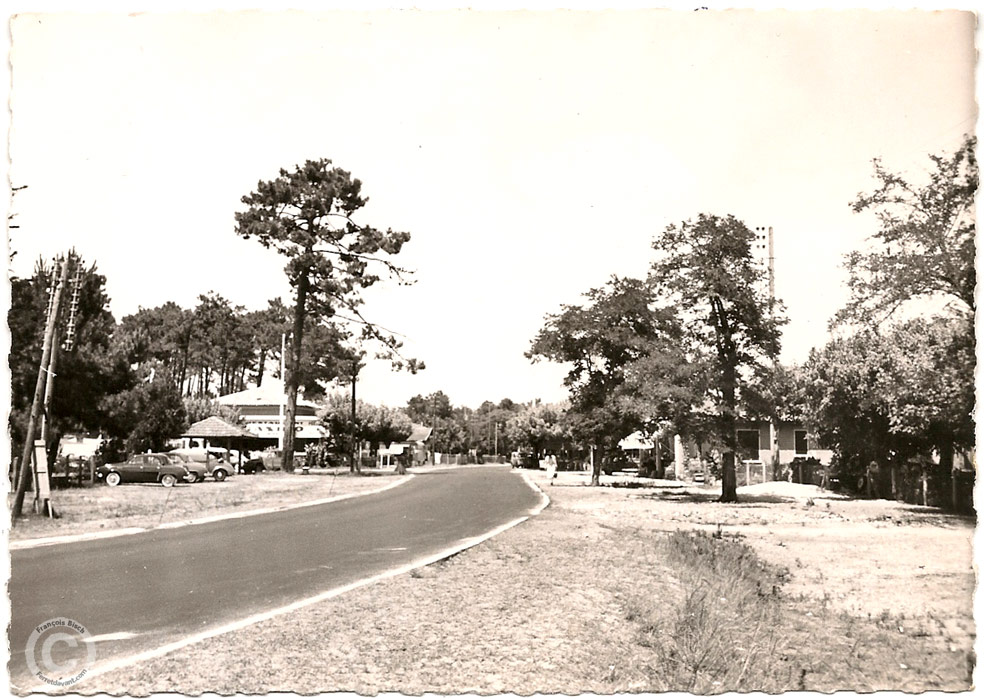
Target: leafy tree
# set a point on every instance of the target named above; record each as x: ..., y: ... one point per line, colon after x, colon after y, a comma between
x: 425, y: 409
x: 886, y: 396
x: 373, y: 424
x: 487, y: 423
x: 220, y: 345
x: 307, y: 216
x: 538, y: 427
x: 325, y: 357
x: 149, y: 415
x: 665, y: 393
x: 160, y: 340
x: 704, y: 270
x: 925, y: 246
x: 336, y: 416
x: 266, y: 329
x: 448, y: 435
x: 383, y: 425
x: 618, y: 329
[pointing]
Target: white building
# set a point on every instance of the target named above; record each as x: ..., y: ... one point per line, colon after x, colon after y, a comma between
x: 263, y: 409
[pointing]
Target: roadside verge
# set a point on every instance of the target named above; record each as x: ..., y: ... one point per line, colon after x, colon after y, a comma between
x: 63, y: 539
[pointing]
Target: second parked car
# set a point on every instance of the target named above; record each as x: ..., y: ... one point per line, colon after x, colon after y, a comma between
x: 202, y: 464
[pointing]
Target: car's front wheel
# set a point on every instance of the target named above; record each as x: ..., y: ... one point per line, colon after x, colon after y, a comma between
x: 113, y: 479
x: 169, y: 480
x: 219, y: 475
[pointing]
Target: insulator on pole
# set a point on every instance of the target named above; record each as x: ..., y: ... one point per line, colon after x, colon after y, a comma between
x: 69, y: 342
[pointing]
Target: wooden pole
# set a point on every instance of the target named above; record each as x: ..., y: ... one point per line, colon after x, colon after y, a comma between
x: 352, y: 465
x: 40, y: 507
x: 25, y: 471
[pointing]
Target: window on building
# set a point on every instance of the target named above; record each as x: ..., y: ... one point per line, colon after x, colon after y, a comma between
x: 799, y: 443
x: 748, y: 445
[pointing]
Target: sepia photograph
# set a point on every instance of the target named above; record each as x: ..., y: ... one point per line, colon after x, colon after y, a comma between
x: 490, y: 351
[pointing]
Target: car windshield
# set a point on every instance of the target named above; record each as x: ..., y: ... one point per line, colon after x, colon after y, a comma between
x: 174, y: 459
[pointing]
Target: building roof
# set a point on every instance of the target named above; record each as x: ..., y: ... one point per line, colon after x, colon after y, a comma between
x: 636, y: 441
x: 420, y: 433
x: 215, y: 427
x: 271, y: 393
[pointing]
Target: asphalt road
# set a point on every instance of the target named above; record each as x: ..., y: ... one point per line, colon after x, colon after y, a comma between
x: 160, y: 586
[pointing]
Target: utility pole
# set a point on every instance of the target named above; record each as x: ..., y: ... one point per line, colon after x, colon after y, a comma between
x: 26, y: 470
x: 497, y: 441
x: 283, y: 385
x: 42, y: 490
x: 352, y: 465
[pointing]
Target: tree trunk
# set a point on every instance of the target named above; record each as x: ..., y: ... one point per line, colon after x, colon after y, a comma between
x: 595, y: 469
x: 729, y: 482
x: 296, y: 339
x: 184, y: 369
x: 659, y: 460
x: 948, y: 463
x: 260, y: 367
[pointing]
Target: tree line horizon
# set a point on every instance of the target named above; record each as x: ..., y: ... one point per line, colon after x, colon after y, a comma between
x: 690, y: 348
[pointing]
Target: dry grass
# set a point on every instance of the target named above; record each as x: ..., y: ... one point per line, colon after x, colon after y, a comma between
x: 720, y: 629
x: 147, y: 505
x: 607, y: 592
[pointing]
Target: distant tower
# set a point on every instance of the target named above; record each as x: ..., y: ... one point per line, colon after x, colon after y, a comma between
x: 763, y: 254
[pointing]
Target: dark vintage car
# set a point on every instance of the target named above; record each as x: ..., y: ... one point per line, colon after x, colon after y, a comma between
x: 252, y: 466
x: 617, y: 462
x: 525, y: 460
x: 146, y: 468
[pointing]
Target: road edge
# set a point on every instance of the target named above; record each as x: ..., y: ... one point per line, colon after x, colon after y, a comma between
x: 544, y: 498
x: 85, y: 537
x: 461, y: 546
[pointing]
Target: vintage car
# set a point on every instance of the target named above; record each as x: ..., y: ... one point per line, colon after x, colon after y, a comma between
x: 273, y: 460
x: 146, y: 468
x: 524, y: 460
x: 202, y: 463
x: 252, y: 466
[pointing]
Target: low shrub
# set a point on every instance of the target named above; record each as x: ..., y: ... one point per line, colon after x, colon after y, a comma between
x: 718, y: 628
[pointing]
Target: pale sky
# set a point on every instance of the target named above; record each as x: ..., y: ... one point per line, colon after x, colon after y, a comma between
x: 531, y: 155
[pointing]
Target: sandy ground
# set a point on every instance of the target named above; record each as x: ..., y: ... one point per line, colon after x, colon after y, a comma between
x: 878, y: 595
x: 865, y: 557
x: 102, y: 507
